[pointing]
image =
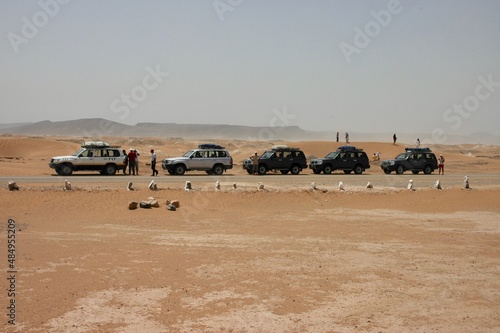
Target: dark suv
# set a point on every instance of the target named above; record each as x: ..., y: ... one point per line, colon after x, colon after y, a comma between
x: 346, y: 158
x: 279, y: 158
x: 413, y: 159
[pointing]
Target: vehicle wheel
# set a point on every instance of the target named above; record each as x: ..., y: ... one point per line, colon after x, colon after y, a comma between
x: 109, y: 169
x: 295, y: 169
x: 65, y: 170
x: 427, y: 170
x: 347, y: 171
x: 218, y: 169
x: 249, y: 171
x: 415, y: 172
x: 209, y: 172
x: 400, y: 170
x: 284, y: 172
x: 179, y: 169
x: 172, y: 172
x: 358, y: 169
x: 387, y: 172
x: 327, y: 169
x: 316, y: 172
x: 262, y: 170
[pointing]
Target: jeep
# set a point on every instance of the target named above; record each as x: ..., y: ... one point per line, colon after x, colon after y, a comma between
x: 413, y: 159
x: 211, y: 158
x: 93, y: 156
x: 279, y: 158
x: 346, y: 158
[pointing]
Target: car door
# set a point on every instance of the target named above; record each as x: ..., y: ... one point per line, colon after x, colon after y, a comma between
x: 416, y: 161
x: 342, y: 161
x: 86, y: 159
x: 197, y: 160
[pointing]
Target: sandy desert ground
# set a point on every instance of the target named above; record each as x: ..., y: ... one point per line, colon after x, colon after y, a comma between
x: 283, y: 259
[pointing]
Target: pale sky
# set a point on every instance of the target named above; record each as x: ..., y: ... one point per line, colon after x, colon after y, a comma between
x: 366, y: 66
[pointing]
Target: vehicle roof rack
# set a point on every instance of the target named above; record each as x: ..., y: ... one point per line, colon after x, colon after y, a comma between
x: 348, y: 148
x: 209, y: 146
x: 422, y: 150
x: 284, y: 147
x: 95, y: 144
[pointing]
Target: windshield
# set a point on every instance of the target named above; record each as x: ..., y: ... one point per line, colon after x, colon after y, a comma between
x: 188, y: 153
x: 78, y: 152
x: 267, y: 154
x: 401, y: 156
x: 332, y: 154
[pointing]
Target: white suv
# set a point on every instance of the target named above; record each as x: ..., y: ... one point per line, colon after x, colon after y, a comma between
x: 211, y: 158
x: 94, y: 155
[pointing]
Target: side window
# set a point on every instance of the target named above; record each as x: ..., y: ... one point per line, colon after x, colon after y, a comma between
x: 221, y: 153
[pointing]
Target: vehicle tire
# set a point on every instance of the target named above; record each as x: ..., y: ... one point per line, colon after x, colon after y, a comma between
x: 249, y: 171
x: 262, y: 170
x: 358, y: 169
x: 218, y: 169
x: 347, y: 171
x: 316, y: 172
x: 284, y: 172
x: 415, y: 172
x: 209, y: 172
x: 65, y: 170
x: 109, y: 169
x: 179, y: 169
x: 171, y: 172
x: 295, y: 169
x: 387, y: 172
x: 327, y: 169
x: 427, y: 170
x: 400, y: 169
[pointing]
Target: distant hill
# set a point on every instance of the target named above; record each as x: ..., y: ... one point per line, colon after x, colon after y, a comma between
x: 98, y: 127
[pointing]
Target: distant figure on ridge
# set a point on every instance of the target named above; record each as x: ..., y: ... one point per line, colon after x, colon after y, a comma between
x: 346, y: 137
x: 337, y: 136
x: 417, y: 144
x: 394, y: 138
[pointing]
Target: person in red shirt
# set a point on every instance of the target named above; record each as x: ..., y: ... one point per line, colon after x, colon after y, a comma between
x: 131, y: 162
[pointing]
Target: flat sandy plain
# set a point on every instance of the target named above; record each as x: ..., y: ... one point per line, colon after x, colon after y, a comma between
x: 283, y: 259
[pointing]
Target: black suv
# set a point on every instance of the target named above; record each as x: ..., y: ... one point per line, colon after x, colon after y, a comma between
x: 413, y: 159
x: 279, y: 158
x: 346, y: 158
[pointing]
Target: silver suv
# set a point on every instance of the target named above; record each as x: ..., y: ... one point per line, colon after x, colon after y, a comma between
x: 94, y: 155
x: 211, y: 158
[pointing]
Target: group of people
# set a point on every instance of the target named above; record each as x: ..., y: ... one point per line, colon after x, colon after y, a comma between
x: 132, y: 162
x: 346, y: 137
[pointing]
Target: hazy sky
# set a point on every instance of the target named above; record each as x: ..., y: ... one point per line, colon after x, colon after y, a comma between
x: 370, y: 66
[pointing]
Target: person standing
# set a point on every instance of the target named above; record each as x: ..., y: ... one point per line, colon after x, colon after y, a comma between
x: 153, y: 163
x: 417, y: 144
x: 346, y: 137
x: 337, y: 136
x: 441, y: 165
x: 394, y: 138
x: 125, y: 161
x: 255, y: 163
x: 136, y: 162
x: 131, y: 162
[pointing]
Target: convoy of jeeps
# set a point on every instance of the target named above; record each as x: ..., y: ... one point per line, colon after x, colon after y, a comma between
x: 215, y: 160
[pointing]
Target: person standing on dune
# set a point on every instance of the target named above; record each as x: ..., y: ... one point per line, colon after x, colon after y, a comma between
x: 394, y: 138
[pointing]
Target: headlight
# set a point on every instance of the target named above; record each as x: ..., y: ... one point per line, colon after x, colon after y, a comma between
x: 391, y: 163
